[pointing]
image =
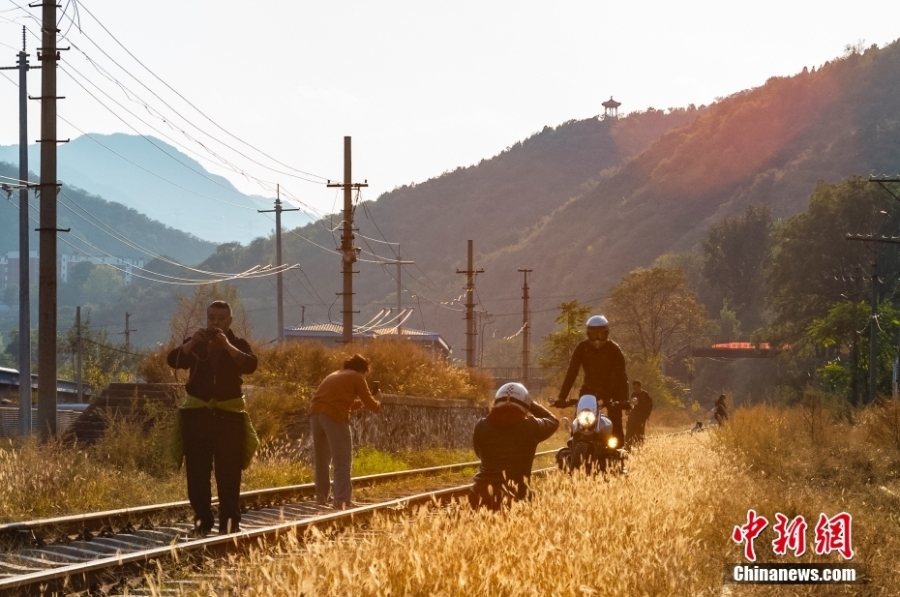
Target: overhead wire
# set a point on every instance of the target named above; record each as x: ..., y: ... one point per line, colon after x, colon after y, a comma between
x: 192, y: 105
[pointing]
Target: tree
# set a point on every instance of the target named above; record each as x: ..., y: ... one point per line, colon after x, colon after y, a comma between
x: 735, y: 251
x: 103, y: 285
x: 651, y: 310
x: 102, y: 361
x: 814, y: 268
x: 559, y: 346
x: 843, y: 333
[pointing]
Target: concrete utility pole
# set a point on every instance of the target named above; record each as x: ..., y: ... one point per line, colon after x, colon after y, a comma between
x: 47, y: 286
x: 24, y: 249
x: 280, y: 282
x: 470, y: 306
x: 349, y: 253
x: 526, y: 325
x: 78, y: 345
x: 873, y: 327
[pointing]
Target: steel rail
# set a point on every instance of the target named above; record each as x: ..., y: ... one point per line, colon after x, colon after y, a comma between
x: 97, y: 521
x: 114, y: 569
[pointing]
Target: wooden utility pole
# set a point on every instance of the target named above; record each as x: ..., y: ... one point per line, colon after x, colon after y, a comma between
x: 526, y: 325
x: 349, y: 253
x: 24, y: 249
x: 47, y: 287
x: 470, y: 305
x: 280, y: 282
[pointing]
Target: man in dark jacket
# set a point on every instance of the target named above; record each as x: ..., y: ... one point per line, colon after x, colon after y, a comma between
x: 506, y: 441
x: 214, y: 423
x: 604, y: 373
x: 642, y: 405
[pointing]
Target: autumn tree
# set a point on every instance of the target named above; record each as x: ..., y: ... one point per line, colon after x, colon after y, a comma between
x: 651, y: 310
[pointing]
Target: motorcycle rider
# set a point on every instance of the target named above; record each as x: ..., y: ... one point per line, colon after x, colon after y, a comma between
x: 506, y: 441
x: 604, y: 373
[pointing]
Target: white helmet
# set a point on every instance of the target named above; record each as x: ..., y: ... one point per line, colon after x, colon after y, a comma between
x: 597, y: 321
x: 513, y: 393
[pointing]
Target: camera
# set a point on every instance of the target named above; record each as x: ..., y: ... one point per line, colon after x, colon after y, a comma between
x: 211, y: 333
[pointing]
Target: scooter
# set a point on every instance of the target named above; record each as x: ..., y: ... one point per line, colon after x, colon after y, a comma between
x: 592, y: 445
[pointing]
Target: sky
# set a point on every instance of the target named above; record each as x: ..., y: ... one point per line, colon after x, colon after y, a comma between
x: 265, y: 91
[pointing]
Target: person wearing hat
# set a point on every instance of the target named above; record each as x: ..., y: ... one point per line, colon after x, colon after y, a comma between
x: 506, y: 441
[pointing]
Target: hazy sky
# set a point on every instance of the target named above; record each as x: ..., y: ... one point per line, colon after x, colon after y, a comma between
x: 422, y: 87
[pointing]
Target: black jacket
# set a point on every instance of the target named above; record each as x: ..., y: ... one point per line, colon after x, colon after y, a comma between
x: 506, y: 441
x: 214, y: 374
x: 604, y: 372
x: 644, y: 405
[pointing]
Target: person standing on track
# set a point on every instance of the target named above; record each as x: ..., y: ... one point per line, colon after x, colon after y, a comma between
x: 213, y: 425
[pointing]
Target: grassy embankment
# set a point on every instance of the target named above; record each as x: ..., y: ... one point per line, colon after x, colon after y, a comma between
x: 130, y: 468
x: 663, y: 530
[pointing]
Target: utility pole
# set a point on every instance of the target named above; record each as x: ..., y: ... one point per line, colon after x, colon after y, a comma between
x: 280, y: 283
x: 78, y: 353
x: 24, y: 249
x: 349, y: 253
x: 470, y: 306
x: 128, y: 331
x: 526, y: 325
x: 882, y: 182
x: 873, y: 317
x: 47, y: 285
x: 302, y: 315
x: 399, y: 261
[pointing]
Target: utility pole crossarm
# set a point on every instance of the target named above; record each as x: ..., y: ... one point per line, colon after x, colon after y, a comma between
x: 881, y: 180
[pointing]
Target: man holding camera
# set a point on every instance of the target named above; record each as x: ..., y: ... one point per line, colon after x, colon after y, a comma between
x: 214, y: 424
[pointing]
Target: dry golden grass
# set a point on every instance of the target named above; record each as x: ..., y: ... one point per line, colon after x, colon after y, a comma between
x: 663, y: 530
x: 652, y: 533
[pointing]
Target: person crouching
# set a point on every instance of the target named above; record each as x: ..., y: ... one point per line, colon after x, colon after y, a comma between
x: 506, y: 441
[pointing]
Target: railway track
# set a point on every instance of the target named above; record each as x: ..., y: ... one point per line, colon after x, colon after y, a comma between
x: 100, y: 552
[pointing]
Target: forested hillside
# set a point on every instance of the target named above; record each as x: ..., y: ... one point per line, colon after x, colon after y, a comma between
x: 582, y: 204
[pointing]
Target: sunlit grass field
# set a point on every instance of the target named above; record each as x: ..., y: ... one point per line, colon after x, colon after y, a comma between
x: 665, y: 529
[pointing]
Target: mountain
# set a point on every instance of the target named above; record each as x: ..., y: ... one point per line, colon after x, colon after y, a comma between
x: 580, y: 204
x: 110, y: 227
x: 159, y: 181
x: 586, y: 202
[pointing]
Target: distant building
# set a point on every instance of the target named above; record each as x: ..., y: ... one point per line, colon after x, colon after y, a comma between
x: 9, y: 267
x: 123, y: 264
x: 331, y: 335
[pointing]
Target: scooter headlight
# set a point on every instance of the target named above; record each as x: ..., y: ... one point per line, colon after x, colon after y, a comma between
x: 613, y: 442
x: 586, y: 418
